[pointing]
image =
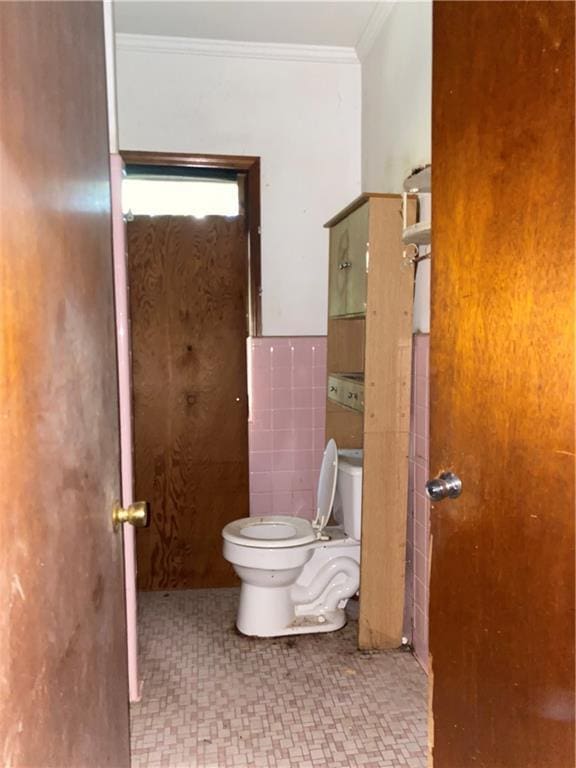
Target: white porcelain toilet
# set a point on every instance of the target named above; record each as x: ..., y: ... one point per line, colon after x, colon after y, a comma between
x: 297, y: 575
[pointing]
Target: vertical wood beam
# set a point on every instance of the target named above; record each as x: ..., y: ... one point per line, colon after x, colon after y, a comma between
x: 386, y: 427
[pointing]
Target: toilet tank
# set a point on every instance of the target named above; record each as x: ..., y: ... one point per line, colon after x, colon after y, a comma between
x: 348, y: 497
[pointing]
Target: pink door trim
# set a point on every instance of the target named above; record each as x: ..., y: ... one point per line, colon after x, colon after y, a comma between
x: 125, y: 402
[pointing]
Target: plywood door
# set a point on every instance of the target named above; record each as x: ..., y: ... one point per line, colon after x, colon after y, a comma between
x: 502, y: 385
x: 63, y: 679
x: 188, y: 284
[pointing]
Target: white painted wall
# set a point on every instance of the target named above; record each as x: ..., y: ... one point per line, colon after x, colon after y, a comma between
x: 397, y: 116
x: 303, y: 118
x: 397, y: 98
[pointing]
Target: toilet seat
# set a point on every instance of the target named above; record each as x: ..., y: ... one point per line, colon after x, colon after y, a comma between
x: 270, y: 532
x: 276, y: 531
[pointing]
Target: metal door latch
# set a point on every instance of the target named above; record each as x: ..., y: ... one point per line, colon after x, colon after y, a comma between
x: 446, y: 486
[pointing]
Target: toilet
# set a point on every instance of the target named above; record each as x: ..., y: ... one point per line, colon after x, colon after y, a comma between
x: 297, y: 575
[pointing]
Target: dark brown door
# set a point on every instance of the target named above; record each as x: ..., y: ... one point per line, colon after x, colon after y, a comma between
x: 63, y: 680
x: 502, y: 385
x: 188, y: 284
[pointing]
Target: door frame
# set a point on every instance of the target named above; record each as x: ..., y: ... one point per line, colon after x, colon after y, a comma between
x: 245, y: 164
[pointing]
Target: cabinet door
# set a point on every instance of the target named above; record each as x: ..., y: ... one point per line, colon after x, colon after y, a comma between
x: 348, y: 246
x: 355, y: 263
x: 337, y: 275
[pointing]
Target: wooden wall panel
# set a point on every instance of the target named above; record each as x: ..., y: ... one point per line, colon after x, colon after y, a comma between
x: 188, y: 303
x: 346, y: 345
x: 345, y: 355
x: 344, y: 425
x: 502, y: 385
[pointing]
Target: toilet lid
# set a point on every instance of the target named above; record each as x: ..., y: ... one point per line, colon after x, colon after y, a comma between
x: 326, y: 486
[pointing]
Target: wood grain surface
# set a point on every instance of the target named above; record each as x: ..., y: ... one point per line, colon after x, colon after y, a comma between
x: 502, y: 385
x: 380, y: 345
x: 188, y: 304
x: 63, y: 671
x: 386, y: 426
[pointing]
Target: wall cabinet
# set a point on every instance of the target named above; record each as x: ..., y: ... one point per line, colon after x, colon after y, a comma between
x: 348, y: 264
x: 369, y: 366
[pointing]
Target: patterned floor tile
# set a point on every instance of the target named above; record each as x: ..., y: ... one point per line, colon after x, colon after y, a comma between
x: 215, y: 699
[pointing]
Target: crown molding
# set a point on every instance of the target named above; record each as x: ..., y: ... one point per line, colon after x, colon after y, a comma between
x: 373, y: 28
x: 232, y: 49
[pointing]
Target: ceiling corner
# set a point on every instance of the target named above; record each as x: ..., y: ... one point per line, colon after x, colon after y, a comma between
x: 374, y: 27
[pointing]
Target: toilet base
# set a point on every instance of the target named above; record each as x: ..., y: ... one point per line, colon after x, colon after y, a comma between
x: 307, y: 624
x: 271, y: 612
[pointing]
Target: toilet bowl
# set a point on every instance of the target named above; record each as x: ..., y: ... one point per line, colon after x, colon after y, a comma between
x: 298, y: 575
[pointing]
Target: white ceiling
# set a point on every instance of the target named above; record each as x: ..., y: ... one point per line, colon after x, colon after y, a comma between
x: 271, y: 21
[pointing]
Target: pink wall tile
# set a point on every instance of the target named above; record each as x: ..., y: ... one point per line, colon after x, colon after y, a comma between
x: 261, y: 440
x: 282, y: 418
x: 287, y: 420
x: 284, y: 440
x: 303, y: 398
x: 303, y: 439
x: 283, y: 481
x: 260, y: 482
x: 281, y: 357
x: 305, y: 459
x: 281, y: 377
x: 302, y: 502
x: 303, y: 418
x: 319, y: 376
x: 261, y: 356
x: 282, y: 503
x: 303, y: 355
x: 302, y: 377
x: 283, y: 459
x: 260, y: 462
x: 261, y: 503
x: 281, y: 398
x: 261, y: 420
x: 319, y: 398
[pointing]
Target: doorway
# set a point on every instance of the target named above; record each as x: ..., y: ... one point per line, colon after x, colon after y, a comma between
x: 189, y: 268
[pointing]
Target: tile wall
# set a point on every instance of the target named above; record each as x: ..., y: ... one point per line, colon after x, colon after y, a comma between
x: 287, y: 382
x: 418, y: 504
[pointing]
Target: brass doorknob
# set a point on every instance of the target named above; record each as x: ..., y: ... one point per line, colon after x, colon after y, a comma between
x: 136, y: 514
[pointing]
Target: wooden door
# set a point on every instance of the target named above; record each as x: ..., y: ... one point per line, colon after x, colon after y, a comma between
x: 188, y: 286
x: 63, y: 681
x: 502, y: 385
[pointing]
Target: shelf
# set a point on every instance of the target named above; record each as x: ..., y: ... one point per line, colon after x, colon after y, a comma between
x: 351, y: 316
x: 421, y: 181
x: 418, y: 234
